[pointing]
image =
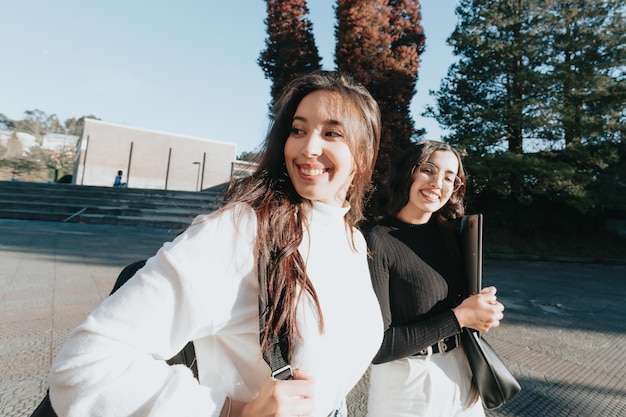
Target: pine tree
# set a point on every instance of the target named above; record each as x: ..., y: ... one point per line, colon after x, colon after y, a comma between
x: 548, y: 71
x: 538, y: 71
x: 587, y: 69
x: 379, y: 42
x: 290, y: 47
x: 486, y: 100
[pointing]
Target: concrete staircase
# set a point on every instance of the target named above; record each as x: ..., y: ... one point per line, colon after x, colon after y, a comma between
x: 88, y: 204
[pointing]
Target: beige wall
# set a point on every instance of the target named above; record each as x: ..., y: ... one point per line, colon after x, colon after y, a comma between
x: 105, y: 148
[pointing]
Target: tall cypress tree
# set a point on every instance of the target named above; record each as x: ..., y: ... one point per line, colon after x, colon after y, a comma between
x: 379, y: 42
x: 290, y: 47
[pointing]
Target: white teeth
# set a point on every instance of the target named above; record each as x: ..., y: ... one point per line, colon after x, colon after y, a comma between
x: 312, y: 171
x: 431, y: 195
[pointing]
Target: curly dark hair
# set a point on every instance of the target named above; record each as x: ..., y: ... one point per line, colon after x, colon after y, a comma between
x: 401, y: 178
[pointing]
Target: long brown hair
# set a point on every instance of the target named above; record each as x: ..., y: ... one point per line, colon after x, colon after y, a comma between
x: 279, y: 208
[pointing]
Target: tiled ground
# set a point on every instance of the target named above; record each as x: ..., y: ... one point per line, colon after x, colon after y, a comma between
x: 51, y: 276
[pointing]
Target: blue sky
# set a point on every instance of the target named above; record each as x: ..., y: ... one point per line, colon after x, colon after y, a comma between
x: 185, y: 67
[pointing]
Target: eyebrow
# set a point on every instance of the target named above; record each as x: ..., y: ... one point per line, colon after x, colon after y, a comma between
x: 439, y: 169
x: 329, y: 122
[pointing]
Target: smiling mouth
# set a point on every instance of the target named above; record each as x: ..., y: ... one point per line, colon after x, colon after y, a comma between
x: 312, y: 172
x: 431, y: 196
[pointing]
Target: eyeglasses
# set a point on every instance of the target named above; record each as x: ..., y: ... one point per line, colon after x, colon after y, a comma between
x: 430, y: 172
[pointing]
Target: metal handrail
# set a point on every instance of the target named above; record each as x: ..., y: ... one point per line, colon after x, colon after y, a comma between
x: 78, y: 213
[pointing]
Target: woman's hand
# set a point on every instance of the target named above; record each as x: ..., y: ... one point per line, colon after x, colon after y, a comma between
x: 279, y: 398
x: 480, y: 311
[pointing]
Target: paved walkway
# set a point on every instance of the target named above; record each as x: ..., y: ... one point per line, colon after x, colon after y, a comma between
x: 563, y: 335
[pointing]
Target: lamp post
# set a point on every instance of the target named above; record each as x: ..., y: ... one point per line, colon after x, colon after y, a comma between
x: 198, y: 176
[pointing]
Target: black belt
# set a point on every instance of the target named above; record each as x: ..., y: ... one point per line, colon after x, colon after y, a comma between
x: 443, y: 346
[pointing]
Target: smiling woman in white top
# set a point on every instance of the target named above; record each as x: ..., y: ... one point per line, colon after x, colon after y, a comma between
x: 295, y: 217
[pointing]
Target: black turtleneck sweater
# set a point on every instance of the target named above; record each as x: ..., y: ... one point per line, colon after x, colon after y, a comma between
x: 418, y: 282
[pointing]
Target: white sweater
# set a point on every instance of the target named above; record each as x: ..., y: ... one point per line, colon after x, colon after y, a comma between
x: 203, y: 287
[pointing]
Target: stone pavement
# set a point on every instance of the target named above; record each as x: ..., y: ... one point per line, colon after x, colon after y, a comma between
x: 563, y: 335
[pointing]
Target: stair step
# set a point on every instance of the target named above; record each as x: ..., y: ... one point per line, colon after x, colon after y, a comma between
x: 89, y: 204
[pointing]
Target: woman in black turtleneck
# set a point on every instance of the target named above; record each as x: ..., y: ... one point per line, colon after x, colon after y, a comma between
x: 421, y: 369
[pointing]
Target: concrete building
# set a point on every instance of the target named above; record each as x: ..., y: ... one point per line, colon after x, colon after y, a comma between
x: 150, y: 159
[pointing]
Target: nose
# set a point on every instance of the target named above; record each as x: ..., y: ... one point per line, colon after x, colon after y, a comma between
x: 437, y: 180
x: 312, y: 145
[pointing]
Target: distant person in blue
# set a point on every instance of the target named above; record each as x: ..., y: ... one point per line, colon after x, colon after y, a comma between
x: 118, y: 180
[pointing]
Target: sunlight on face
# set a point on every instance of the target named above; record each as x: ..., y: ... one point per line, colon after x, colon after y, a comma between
x: 318, y: 158
x: 431, y: 188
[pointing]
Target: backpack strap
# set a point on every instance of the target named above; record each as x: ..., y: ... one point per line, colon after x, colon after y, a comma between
x: 127, y: 273
x: 278, y: 357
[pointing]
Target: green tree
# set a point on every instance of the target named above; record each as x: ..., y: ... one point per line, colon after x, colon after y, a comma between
x: 587, y: 69
x: 33, y: 161
x: 380, y: 42
x: 5, y: 122
x: 290, y: 49
x: 248, y: 156
x: 538, y: 71
x: 14, y: 147
x: 569, y: 190
x: 488, y: 97
x: 75, y: 126
x: 58, y: 162
x: 38, y: 123
x: 543, y: 71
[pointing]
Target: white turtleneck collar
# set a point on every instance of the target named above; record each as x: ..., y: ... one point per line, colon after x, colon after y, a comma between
x: 329, y: 211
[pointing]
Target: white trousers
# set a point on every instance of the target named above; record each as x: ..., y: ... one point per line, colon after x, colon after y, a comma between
x: 431, y: 386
